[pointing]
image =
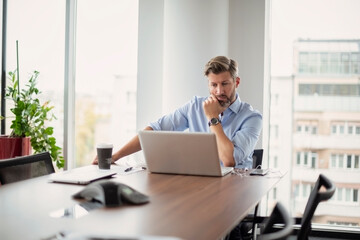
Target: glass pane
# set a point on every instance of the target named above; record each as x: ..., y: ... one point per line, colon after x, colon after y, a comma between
x: 356, y: 161
x: 333, y: 160
x: 347, y: 194
x: 355, y: 195
x: 339, y: 194
x: 316, y: 62
x: 348, y: 163
x: 341, y: 161
x: 298, y: 158
x: 341, y: 129
x: 41, y: 43
x: 333, y: 129
x: 314, y: 130
x: 106, y: 73
x: 305, y: 188
x: 296, y: 191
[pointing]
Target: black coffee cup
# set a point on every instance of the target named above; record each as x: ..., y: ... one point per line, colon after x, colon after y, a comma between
x: 104, y: 154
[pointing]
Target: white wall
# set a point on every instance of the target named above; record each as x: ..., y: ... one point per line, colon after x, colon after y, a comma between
x: 194, y: 32
x: 246, y: 45
x: 180, y: 36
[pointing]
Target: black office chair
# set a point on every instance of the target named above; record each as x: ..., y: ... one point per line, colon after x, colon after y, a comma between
x: 279, y: 215
x: 257, y: 163
x: 257, y: 158
x: 25, y: 167
x: 317, y: 195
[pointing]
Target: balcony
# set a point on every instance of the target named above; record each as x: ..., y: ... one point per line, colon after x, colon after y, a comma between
x: 326, y: 104
x: 345, y: 176
x: 326, y: 141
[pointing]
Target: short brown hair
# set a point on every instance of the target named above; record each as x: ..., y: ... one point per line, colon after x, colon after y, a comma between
x: 221, y: 64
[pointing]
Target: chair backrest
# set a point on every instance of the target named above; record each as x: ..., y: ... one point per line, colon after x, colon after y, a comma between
x: 257, y: 158
x: 316, y: 196
x: 279, y: 215
x: 25, y: 167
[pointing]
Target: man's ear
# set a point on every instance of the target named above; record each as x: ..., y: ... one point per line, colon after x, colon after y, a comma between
x: 237, y: 81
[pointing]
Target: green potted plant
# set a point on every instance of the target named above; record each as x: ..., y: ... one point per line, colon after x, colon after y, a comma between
x: 31, y: 117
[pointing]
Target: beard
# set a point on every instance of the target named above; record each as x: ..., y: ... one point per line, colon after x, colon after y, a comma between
x: 224, y: 100
x: 225, y: 103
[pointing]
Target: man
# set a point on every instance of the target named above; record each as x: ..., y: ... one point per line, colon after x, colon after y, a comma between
x: 236, y: 124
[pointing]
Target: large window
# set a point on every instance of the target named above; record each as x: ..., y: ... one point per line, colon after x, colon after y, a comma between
x: 41, y: 43
x: 319, y: 56
x: 106, y: 68
x: 105, y: 71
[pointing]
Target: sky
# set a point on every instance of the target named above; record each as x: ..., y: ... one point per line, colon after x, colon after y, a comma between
x: 313, y: 19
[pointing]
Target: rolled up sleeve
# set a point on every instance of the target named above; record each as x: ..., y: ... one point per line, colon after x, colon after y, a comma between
x: 245, y: 140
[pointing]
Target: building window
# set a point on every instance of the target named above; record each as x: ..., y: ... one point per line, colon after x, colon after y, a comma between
x: 355, y: 63
x: 106, y: 74
x: 299, y: 128
x: 339, y: 194
x: 321, y: 83
x: 348, y: 162
x: 306, y: 159
x: 305, y: 190
x: 341, y: 161
x: 341, y: 129
x: 338, y: 161
x: 347, y: 195
x: 357, y: 130
x: 336, y: 63
x: 333, y: 161
x: 313, y: 159
x: 296, y: 190
x: 314, y: 130
x: 355, y: 195
x: 298, y: 158
x: 333, y: 129
x: 329, y: 89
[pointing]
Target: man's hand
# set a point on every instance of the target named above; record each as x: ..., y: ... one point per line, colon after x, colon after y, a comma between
x: 95, y: 161
x: 213, y: 108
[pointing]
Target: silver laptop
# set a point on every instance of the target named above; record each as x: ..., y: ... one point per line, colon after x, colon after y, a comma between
x: 82, y: 175
x: 182, y: 153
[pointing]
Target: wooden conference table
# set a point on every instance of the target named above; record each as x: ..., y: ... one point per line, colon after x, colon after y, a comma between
x: 186, y: 207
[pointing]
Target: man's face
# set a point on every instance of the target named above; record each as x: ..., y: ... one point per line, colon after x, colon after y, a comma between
x: 223, y: 86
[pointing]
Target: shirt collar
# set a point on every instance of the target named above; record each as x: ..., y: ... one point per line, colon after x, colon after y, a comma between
x: 235, y: 106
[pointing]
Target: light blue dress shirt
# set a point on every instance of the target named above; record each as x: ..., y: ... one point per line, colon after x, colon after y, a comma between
x: 241, y: 123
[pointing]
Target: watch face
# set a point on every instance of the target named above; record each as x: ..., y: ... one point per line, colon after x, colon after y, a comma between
x: 214, y: 121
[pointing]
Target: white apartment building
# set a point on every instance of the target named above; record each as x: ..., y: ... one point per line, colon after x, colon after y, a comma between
x: 315, y: 127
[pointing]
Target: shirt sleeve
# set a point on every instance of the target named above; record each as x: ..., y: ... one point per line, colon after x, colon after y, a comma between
x: 245, y: 140
x: 175, y: 121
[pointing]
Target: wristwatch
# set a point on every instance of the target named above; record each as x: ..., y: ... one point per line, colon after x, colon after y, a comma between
x: 214, y: 121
